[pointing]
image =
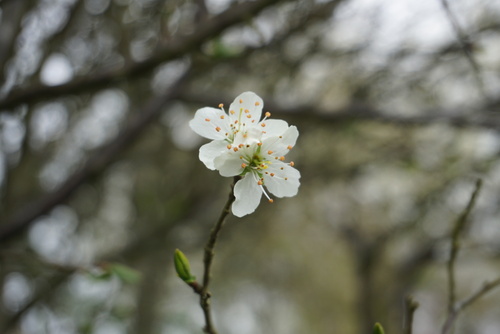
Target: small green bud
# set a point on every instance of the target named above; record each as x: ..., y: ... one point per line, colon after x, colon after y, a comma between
x: 124, y: 273
x: 378, y: 329
x: 182, y: 267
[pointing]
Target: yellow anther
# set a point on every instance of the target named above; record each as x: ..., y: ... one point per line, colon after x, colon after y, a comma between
x: 282, y: 168
x: 229, y: 146
x: 241, y: 101
x: 269, y: 152
x: 235, y: 149
x: 286, y: 179
x: 243, y: 165
x: 222, y: 116
x: 292, y: 163
x: 272, y: 174
x: 259, y: 144
x: 268, y: 114
x: 289, y: 147
x: 240, y: 145
x: 263, y: 124
x: 259, y: 183
x: 207, y: 119
x: 221, y: 105
x: 231, y: 112
x: 217, y: 129
x: 282, y: 158
x: 249, y: 116
x: 280, y: 137
x: 271, y: 200
x: 257, y: 103
x: 247, y: 111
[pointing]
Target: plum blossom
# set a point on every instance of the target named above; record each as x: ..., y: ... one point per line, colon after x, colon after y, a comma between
x: 231, y: 129
x: 252, y: 149
x: 261, y: 163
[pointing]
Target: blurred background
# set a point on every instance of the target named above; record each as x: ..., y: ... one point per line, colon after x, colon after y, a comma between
x: 398, y: 111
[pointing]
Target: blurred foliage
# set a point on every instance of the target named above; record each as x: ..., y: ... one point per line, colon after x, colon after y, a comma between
x: 398, y: 111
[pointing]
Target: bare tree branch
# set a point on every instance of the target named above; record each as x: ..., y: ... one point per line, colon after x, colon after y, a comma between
x: 487, y: 287
x: 455, y: 245
x: 465, y: 43
x: 94, y: 165
x: 308, y: 112
x: 178, y: 47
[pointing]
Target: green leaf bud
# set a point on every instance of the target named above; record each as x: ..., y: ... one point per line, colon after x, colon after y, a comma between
x: 182, y: 267
x: 378, y: 329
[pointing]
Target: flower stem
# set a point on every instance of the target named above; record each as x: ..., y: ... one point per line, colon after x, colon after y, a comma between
x: 208, y: 259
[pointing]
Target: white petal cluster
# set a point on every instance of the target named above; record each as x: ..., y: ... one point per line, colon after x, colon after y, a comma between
x: 245, y: 145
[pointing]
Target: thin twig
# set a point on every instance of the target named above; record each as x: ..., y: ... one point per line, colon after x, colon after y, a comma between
x: 465, y: 44
x: 455, y: 245
x: 410, y: 307
x: 487, y: 287
x: 207, y: 261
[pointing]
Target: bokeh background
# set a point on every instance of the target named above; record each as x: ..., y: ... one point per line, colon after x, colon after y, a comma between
x: 398, y: 108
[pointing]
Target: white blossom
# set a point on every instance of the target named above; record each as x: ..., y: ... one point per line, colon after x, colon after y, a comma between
x: 244, y: 146
x: 234, y: 127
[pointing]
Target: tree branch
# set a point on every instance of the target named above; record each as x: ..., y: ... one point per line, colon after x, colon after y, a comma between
x: 452, y: 316
x: 351, y: 113
x: 455, y: 245
x: 207, y: 261
x: 465, y: 44
x: 178, y: 47
x: 101, y: 158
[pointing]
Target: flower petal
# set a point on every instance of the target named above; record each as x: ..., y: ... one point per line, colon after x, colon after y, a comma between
x: 246, y: 107
x: 210, y: 123
x: 281, y: 145
x: 282, y: 180
x: 273, y: 127
x: 212, y: 150
x: 247, y: 193
x: 229, y: 164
